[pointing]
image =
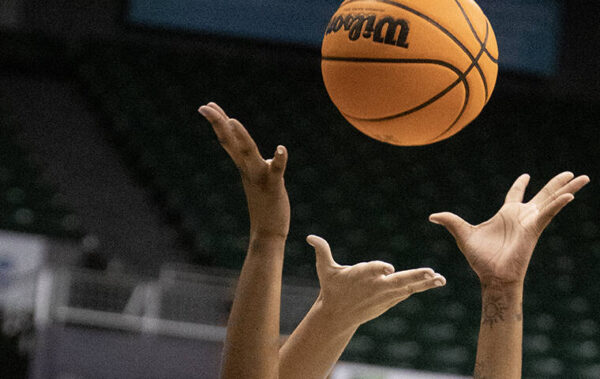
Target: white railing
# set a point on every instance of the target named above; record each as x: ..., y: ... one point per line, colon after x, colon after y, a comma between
x: 180, y: 304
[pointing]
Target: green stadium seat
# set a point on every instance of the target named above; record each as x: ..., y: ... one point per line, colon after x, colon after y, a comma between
x: 27, y: 204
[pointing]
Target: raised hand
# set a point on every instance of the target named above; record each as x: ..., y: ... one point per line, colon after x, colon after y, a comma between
x: 252, y: 343
x: 263, y: 182
x: 356, y: 294
x: 500, y: 249
x: 349, y: 297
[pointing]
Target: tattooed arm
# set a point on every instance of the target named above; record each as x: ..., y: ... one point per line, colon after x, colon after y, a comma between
x: 501, y: 332
x: 499, y: 251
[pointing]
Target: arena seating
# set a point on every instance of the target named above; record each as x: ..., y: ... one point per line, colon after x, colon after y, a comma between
x: 27, y: 204
x: 370, y: 200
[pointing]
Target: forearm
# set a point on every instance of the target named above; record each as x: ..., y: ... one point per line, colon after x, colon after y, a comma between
x: 499, y: 350
x: 252, y: 344
x: 315, y: 346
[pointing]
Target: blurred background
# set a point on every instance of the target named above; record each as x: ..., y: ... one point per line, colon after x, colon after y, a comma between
x: 123, y: 223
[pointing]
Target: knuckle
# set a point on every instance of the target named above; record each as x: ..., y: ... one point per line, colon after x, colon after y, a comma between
x: 550, y: 194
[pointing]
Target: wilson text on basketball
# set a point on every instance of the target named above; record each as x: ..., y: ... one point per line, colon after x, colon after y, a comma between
x: 387, y: 30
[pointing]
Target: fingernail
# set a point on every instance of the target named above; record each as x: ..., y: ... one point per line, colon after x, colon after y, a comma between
x: 202, y: 110
x: 388, y: 270
x: 279, y: 150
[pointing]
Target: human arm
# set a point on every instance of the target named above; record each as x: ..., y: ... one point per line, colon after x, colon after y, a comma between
x: 252, y: 342
x: 499, y: 251
x: 349, y: 296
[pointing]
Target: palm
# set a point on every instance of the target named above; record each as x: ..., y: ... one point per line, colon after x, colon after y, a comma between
x: 501, y: 247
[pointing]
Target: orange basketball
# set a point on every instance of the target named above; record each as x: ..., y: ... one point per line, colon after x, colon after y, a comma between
x: 409, y: 72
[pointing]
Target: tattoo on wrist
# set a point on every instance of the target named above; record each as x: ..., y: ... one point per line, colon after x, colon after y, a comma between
x: 494, y: 309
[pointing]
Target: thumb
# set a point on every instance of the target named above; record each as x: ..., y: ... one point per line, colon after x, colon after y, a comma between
x: 458, y: 227
x: 322, y: 251
x: 279, y: 161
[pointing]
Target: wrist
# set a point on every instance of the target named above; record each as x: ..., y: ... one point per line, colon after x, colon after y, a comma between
x: 501, y: 302
x: 267, y: 235
x: 499, y: 284
x: 277, y: 228
x: 270, y: 243
x: 337, y: 322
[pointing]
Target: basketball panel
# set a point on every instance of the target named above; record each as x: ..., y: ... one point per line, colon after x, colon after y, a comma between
x: 475, y: 104
x: 474, y: 16
x: 419, y: 128
x: 448, y: 15
x: 457, y: 128
x: 378, y: 90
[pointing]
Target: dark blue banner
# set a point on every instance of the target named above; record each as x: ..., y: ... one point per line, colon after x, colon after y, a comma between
x: 527, y: 30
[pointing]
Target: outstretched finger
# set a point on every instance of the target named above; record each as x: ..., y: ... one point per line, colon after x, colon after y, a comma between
x: 219, y: 124
x: 378, y: 268
x: 550, y: 189
x: 517, y: 191
x: 322, y: 251
x: 552, y: 210
x: 419, y: 286
x: 247, y: 148
x: 279, y: 161
x: 458, y: 227
x: 572, y: 187
x: 402, y: 278
x: 216, y: 107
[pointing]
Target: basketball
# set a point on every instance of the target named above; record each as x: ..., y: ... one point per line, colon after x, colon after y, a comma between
x: 409, y: 72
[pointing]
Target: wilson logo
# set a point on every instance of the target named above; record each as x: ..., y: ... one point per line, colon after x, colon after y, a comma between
x: 388, y: 30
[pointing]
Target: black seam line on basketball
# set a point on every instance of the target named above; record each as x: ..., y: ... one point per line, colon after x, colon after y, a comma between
x: 434, y: 23
x: 467, y: 92
x: 495, y: 60
x: 461, y: 78
x: 484, y: 46
x: 479, y: 55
